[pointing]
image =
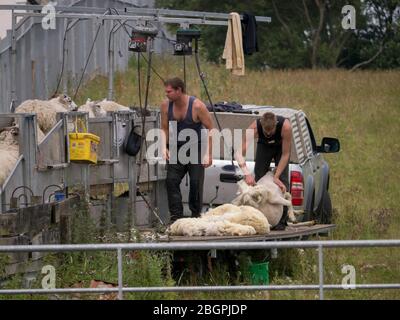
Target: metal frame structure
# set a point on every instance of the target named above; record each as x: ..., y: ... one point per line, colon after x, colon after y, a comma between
x: 71, y: 15
x: 319, y: 245
x: 99, y: 15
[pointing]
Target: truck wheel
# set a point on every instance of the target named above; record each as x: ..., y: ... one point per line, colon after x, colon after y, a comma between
x: 324, y: 211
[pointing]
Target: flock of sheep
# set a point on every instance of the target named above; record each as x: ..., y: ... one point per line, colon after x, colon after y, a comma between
x: 254, y: 211
x: 46, y: 111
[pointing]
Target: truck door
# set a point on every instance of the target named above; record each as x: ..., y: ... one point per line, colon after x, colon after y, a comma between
x: 316, y: 165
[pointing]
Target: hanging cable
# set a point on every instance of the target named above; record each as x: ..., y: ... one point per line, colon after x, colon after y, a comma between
x: 184, y: 72
x: 144, y: 58
x: 139, y: 81
x: 87, y: 62
x: 144, y: 111
x: 124, y: 24
x: 202, y: 76
x: 68, y: 28
x: 157, y: 74
x: 144, y: 114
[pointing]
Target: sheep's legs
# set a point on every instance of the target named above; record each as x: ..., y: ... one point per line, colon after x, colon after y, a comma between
x: 291, y: 214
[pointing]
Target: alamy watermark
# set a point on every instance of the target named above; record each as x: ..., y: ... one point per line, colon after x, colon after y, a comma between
x: 49, y: 21
x: 349, y: 280
x: 349, y: 20
x: 193, y: 146
x: 49, y: 280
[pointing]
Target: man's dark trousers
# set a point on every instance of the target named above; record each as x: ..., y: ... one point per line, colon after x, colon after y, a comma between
x: 175, y: 174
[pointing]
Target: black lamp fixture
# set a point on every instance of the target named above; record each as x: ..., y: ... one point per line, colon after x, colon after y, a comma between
x: 140, y: 36
x: 184, y: 39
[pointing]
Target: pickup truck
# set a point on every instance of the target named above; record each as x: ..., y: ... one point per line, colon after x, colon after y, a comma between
x: 309, y: 173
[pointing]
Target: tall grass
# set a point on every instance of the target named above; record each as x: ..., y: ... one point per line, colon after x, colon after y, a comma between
x: 362, y: 109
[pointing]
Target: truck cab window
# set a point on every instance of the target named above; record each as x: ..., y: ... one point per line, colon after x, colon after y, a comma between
x: 314, y: 145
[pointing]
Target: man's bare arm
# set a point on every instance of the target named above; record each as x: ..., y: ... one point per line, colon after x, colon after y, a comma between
x: 286, y: 143
x: 251, y: 134
x: 205, y: 119
x: 164, y: 127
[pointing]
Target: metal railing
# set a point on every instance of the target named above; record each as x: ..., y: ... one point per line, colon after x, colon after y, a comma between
x: 319, y: 245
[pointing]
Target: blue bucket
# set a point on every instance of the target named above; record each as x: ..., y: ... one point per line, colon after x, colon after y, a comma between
x: 59, y: 196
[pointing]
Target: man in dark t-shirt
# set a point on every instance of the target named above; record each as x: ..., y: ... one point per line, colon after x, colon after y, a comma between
x: 274, y: 134
x: 182, y: 113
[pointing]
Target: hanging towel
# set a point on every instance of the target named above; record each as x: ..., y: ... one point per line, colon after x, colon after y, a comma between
x: 250, y: 42
x: 233, y: 51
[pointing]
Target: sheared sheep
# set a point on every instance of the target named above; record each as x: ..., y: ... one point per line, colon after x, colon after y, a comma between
x: 202, y: 227
x: 244, y: 215
x: 9, y: 151
x: 267, y: 197
x: 224, y: 220
x: 46, y: 111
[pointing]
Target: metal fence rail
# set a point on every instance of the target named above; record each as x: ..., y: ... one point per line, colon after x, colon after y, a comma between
x: 319, y: 245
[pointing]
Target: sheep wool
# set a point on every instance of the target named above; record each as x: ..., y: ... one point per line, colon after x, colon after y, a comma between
x: 9, y: 153
x: 93, y: 108
x: 111, y: 106
x: 201, y: 227
x: 244, y: 215
x: 267, y: 197
x: 45, y: 111
x: 225, y: 220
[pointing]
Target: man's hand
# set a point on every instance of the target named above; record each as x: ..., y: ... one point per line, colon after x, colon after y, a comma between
x: 207, y: 160
x: 165, y: 154
x: 249, y: 179
x: 280, y: 184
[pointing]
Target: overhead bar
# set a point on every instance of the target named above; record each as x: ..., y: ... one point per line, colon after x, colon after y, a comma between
x: 134, y: 11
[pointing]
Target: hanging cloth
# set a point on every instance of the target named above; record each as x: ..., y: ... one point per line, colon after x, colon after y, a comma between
x: 250, y: 42
x: 233, y: 51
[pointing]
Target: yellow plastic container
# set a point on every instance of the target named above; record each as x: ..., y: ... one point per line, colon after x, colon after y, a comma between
x: 83, y: 147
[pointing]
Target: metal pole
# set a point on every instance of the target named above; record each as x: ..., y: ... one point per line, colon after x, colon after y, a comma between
x: 13, y: 60
x: 111, y: 63
x: 2, y: 200
x: 321, y: 272
x: 132, y: 172
x: 86, y: 168
x: 120, y: 293
x: 65, y: 60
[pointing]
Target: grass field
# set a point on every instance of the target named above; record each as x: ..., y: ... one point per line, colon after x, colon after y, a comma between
x: 362, y: 109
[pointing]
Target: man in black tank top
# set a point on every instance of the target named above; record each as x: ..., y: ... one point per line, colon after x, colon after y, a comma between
x: 274, y: 134
x: 182, y: 112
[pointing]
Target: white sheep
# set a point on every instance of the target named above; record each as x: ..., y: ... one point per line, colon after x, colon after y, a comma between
x: 202, y: 227
x: 225, y: 220
x: 244, y: 215
x: 93, y: 108
x: 46, y: 111
x: 9, y: 151
x: 112, y: 106
x: 267, y: 197
x: 65, y: 101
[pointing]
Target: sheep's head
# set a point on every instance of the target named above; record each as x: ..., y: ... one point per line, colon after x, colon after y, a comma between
x: 67, y: 101
x: 94, y: 109
x: 9, y: 135
x: 253, y: 196
x: 98, y: 111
